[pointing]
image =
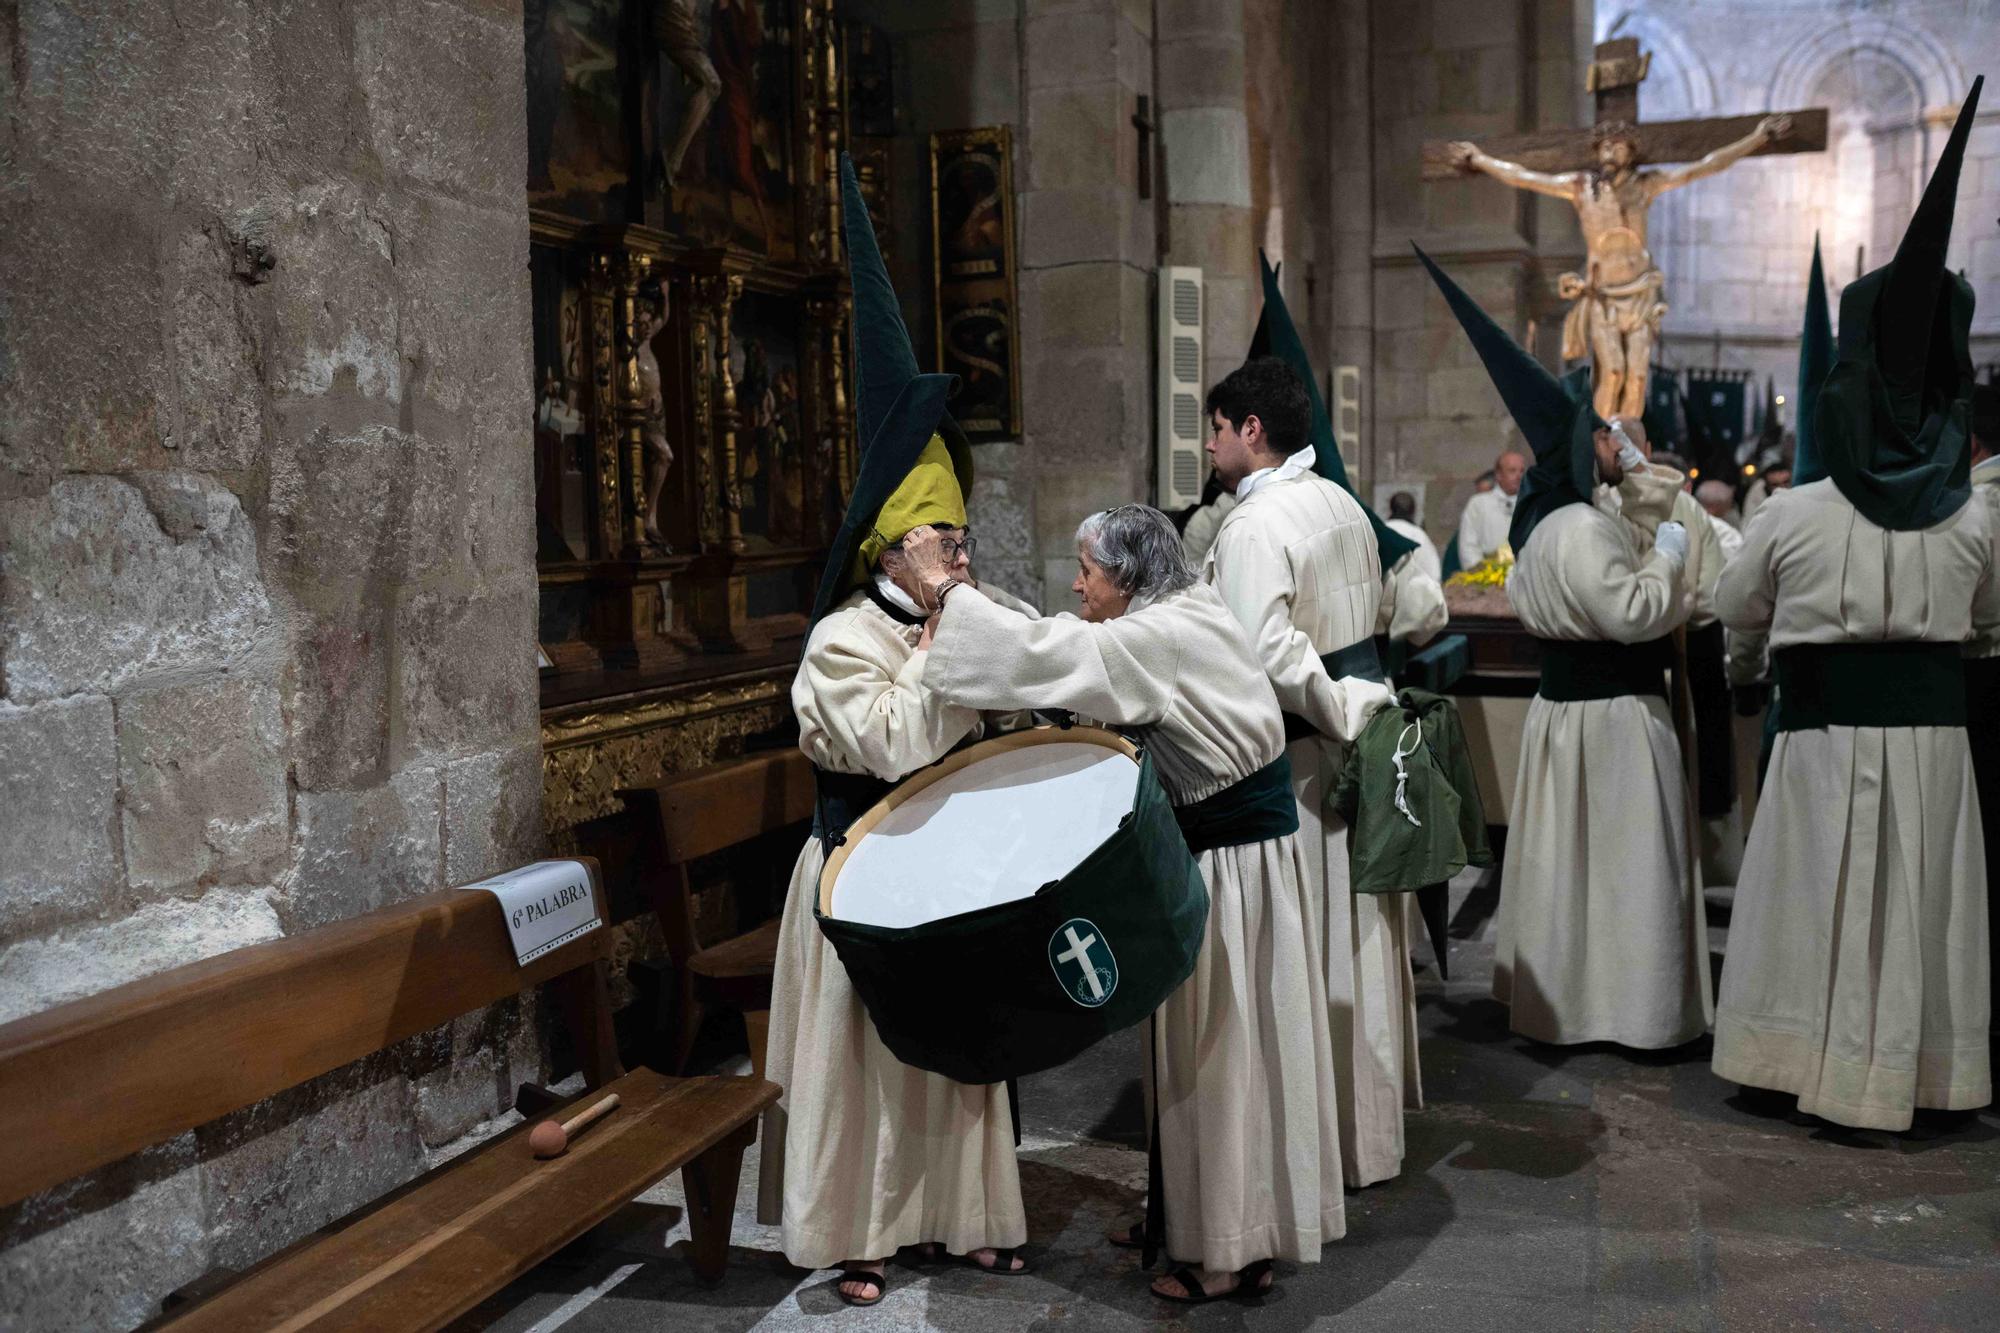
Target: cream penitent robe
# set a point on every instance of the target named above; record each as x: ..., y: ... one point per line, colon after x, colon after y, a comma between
x: 1600, y: 934
x: 1242, y: 1068
x: 870, y: 1154
x: 1413, y: 608
x: 1857, y: 974
x: 1426, y: 554
x: 1296, y: 563
x: 1483, y: 527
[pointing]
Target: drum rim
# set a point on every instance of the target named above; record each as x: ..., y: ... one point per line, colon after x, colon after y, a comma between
x: 944, y: 768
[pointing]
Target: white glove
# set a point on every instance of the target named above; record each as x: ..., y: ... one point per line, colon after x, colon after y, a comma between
x: 1671, y: 541
x: 1629, y: 456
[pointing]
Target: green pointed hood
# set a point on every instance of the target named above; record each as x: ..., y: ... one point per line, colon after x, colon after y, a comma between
x: 1277, y: 336
x: 898, y: 408
x: 1816, y: 356
x: 1557, y: 425
x: 1892, y: 423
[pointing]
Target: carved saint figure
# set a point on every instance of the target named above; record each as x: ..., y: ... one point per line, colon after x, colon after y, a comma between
x: 1616, y: 316
x: 650, y: 318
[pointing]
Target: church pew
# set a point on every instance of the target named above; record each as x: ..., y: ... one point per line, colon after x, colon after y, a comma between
x: 90, y: 1082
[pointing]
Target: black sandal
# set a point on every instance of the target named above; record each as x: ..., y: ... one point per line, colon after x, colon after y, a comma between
x: 875, y: 1280
x: 1132, y: 1238
x: 1250, y: 1286
x: 931, y: 1252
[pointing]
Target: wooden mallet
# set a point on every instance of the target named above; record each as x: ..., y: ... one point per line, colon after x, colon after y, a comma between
x: 551, y: 1137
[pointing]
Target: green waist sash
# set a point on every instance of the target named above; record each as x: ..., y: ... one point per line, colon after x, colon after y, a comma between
x: 1255, y: 809
x: 1900, y: 684
x: 1356, y: 659
x: 1575, y: 670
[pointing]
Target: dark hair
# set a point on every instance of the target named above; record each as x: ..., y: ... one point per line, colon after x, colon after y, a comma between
x: 1986, y: 415
x: 1403, y: 505
x: 1266, y: 388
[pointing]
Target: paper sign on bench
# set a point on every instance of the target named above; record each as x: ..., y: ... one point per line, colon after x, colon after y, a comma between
x: 547, y: 904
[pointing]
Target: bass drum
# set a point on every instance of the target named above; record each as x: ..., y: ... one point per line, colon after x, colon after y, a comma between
x: 1013, y: 904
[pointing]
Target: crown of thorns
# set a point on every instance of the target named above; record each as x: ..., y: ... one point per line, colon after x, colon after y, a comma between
x: 1615, y: 129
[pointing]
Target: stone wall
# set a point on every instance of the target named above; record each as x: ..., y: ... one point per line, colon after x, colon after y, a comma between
x: 267, y: 614
x: 1437, y: 69
x: 1736, y: 248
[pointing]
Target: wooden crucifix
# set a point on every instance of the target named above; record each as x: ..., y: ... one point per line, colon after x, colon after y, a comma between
x: 1615, y: 318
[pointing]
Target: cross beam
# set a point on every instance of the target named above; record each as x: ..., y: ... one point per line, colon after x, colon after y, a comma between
x: 1613, y: 78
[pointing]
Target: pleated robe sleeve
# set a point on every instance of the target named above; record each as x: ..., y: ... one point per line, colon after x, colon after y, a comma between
x: 1746, y: 596
x: 986, y: 656
x: 1612, y: 595
x: 863, y: 703
x: 1254, y: 579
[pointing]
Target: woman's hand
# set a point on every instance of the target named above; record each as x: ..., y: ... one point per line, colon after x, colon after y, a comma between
x: 923, y: 553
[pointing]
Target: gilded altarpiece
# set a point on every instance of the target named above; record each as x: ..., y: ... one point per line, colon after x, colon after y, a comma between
x: 692, y: 432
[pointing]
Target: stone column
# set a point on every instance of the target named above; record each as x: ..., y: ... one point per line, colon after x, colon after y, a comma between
x: 1206, y: 133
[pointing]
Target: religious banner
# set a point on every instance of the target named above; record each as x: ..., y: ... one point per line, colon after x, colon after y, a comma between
x: 1663, y: 411
x: 1715, y: 404
x: 973, y: 281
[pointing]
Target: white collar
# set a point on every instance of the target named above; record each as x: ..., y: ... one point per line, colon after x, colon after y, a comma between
x: 1987, y: 472
x: 1301, y: 461
x: 1506, y: 500
x: 893, y: 592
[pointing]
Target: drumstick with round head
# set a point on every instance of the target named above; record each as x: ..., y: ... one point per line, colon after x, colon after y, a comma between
x: 551, y: 1137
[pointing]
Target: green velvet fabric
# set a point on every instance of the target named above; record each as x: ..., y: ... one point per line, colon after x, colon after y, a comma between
x: 1892, y: 421
x: 1277, y: 336
x: 1557, y: 425
x: 988, y: 995
x: 1816, y: 357
x: 898, y: 408
x: 1575, y: 670
x: 1900, y: 684
x: 1254, y: 809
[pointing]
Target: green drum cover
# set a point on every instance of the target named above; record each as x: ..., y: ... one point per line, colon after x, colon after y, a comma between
x: 1023, y: 986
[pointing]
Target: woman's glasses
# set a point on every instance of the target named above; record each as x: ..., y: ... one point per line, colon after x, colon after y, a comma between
x: 950, y: 548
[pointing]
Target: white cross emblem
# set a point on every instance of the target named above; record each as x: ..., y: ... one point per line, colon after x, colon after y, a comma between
x: 1079, y: 944
x: 1079, y: 953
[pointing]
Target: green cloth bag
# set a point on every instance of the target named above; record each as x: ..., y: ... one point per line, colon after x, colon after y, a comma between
x: 1388, y: 850
x: 1019, y: 987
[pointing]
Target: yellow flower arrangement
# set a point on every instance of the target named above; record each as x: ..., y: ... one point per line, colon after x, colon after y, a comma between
x: 1488, y: 573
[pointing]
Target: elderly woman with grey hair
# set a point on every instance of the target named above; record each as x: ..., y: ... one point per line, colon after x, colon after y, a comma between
x: 1242, y: 1071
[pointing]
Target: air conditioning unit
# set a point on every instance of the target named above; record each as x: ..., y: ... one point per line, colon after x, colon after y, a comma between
x: 1345, y: 404
x: 1178, y: 453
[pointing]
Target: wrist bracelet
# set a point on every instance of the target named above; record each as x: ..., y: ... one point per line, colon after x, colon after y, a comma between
x: 941, y: 589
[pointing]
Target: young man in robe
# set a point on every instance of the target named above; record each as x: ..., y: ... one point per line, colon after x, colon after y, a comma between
x: 1600, y: 934
x: 1242, y: 1064
x: 1300, y: 563
x: 1857, y: 976
x: 870, y: 1154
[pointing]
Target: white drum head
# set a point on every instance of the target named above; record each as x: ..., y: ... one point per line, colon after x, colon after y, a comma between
x: 995, y: 830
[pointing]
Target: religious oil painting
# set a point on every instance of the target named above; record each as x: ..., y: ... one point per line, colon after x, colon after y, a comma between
x: 579, y: 156
x: 972, y: 241
x: 562, y: 408
x: 774, y: 464
x: 722, y: 105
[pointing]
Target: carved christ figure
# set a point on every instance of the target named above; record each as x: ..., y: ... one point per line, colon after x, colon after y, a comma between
x: 659, y: 455
x: 1615, y: 318
x: 679, y: 36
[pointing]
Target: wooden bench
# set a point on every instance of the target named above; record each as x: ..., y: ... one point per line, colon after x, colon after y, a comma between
x: 88, y: 1083
x: 648, y: 848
